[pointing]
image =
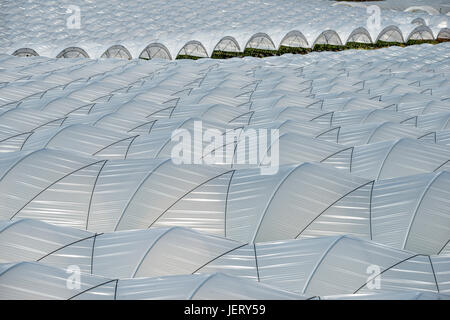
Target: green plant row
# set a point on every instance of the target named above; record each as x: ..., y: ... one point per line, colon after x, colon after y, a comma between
x: 183, y: 56
x: 260, y: 53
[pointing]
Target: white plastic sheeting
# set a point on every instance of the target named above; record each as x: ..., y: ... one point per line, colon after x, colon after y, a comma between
x: 117, y: 52
x: 36, y: 281
x: 328, y: 265
x: 299, y: 201
x: 20, y: 281
x: 360, y: 35
x: 388, y: 295
x: 25, y: 52
x: 227, y: 44
x: 95, y: 27
x: 421, y: 33
x: 391, y: 34
x: 295, y: 39
x: 363, y: 208
x: 305, y: 85
x: 193, y: 48
x: 444, y: 34
x: 73, y: 52
x: 260, y: 41
x: 429, y: 6
x: 360, y: 134
x: 404, y: 157
x: 155, y: 51
x: 139, y: 200
x: 85, y: 149
x: 329, y: 37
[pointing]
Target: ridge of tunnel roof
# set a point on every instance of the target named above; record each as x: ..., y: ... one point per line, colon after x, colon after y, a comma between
x: 53, y: 286
x: 104, y: 142
x: 217, y: 286
x: 139, y: 207
x: 291, y: 271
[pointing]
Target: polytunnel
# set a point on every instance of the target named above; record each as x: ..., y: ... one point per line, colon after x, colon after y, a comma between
x: 433, y: 121
x: 359, y: 134
x: 389, y: 295
x: 35, y: 281
x: 300, y: 128
x: 155, y: 252
x: 227, y: 44
x: 294, y: 39
x: 29, y: 120
x: 193, y: 49
x: 359, y: 35
x: 425, y: 9
x: 414, y: 103
x: 225, y: 96
x: 118, y: 52
x: 443, y: 137
x: 328, y: 37
x: 108, y: 128
x: 93, y: 213
x: 443, y: 35
x: 311, y: 267
x: 339, y: 118
x: 139, y: 204
x: 65, y: 107
x: 390, y: 34
x: 155, y: 51
x: 338, y: 265
x: 88, y: 177
x: 148, y: 139
x: 144, y: 107
x: 73, y: 52
x: 181, y: 287
x: 421, y: 33
x: 402, y: 157
x: 228, y: 115
x: 292, y: 148
x: 260, y: 41
x: 25, y: 52
x: 419, y: 21
x: 108, y: 144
